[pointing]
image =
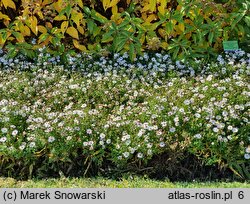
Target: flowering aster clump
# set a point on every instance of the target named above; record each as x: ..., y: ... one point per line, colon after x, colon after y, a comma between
x: 117, y: 113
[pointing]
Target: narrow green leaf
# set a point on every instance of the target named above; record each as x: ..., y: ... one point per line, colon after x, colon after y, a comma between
x: 247, y: 20
x: 210, y: 37
x: 68, y: 10
x: 176, y: 51
x: 131, y: 51
x: 119, y: 43
x: 87, y: 10
x: 90, y: 24
x: 107, y: 37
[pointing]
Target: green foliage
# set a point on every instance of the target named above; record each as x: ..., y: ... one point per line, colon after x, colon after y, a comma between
x: 184, y: 28
x: 125, y: 36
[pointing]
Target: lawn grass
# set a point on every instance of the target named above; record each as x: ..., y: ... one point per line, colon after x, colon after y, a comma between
x: 108, y: 183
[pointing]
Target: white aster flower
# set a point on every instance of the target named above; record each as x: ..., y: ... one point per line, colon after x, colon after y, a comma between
x: 234, y: 130
x: 164, y: 124
x: 4, y: 130
x: 89, y: 131
x: 51, y: 139
x: 32, y: 144
x: 83, y: 105
x: 132, y: 150
x: 69, y: 138
x: 102, y: 136
x: 22, y: 147
x: 215, y: 129
x: 149, y: 145
x: 247, y: 156
x: 162, y: 144
x: 198, y: 136
x: 197, y: 115
x: 187, y: 102
x: 172, y: 129
x: 126, y: 154
x: 3, y: 139
x: 149, y: 152
x: 140, y: 155
x: 14, y: 132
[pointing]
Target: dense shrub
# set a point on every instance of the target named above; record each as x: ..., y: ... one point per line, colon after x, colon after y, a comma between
x: 103, y: 115
x: 184, y: 28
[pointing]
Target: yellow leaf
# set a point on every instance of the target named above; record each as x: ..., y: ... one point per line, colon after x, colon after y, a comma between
x: 58, y: 6
x: 128, y: 2
x: 72, y: 32
x: 78, y: 45
x: 188, y: 35
x: 114, y: 10
x: 49, y: 25
x: 151, y: 18
x: 161, y: 10
x: 27, y: 30
x: 105, y: 4
x: 126, y: 47
x: 42, y: 29
x: 164, y: 45
x: 40, y: 14
x: 173, y: 21
x: 192, y: 14
x: 6, y: 23
x: 144, y: 16
x: 3, y: 16
x: 146, y: 8
x: 21, y: 28
x: 77, y: 17
x: 117, y: 18
x: 181, y: 27
x: 98, y: 15
x: 79, y: 2
x: 26, y: 12
x: 19, y: 37
x: 33, y: 24
x: 11, y: 39
x: 46, y: 2
x: 8, y: 34
x: 179, y: 7
x: 113, y: 3
x: 143, y: 38
x: 64, y: 26
x: 162, y: 32
x: 152, y: 5
x: 60, y: 18
x: 108, y: 4
x: 80, y: 29
x: 46, y: 42
x: 162, y: 7
x: 188, y: 21
x: 2, y: 41
x: 9, y: 3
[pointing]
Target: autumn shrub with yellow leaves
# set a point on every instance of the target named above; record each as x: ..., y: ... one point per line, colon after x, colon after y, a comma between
x: 184, y: 28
